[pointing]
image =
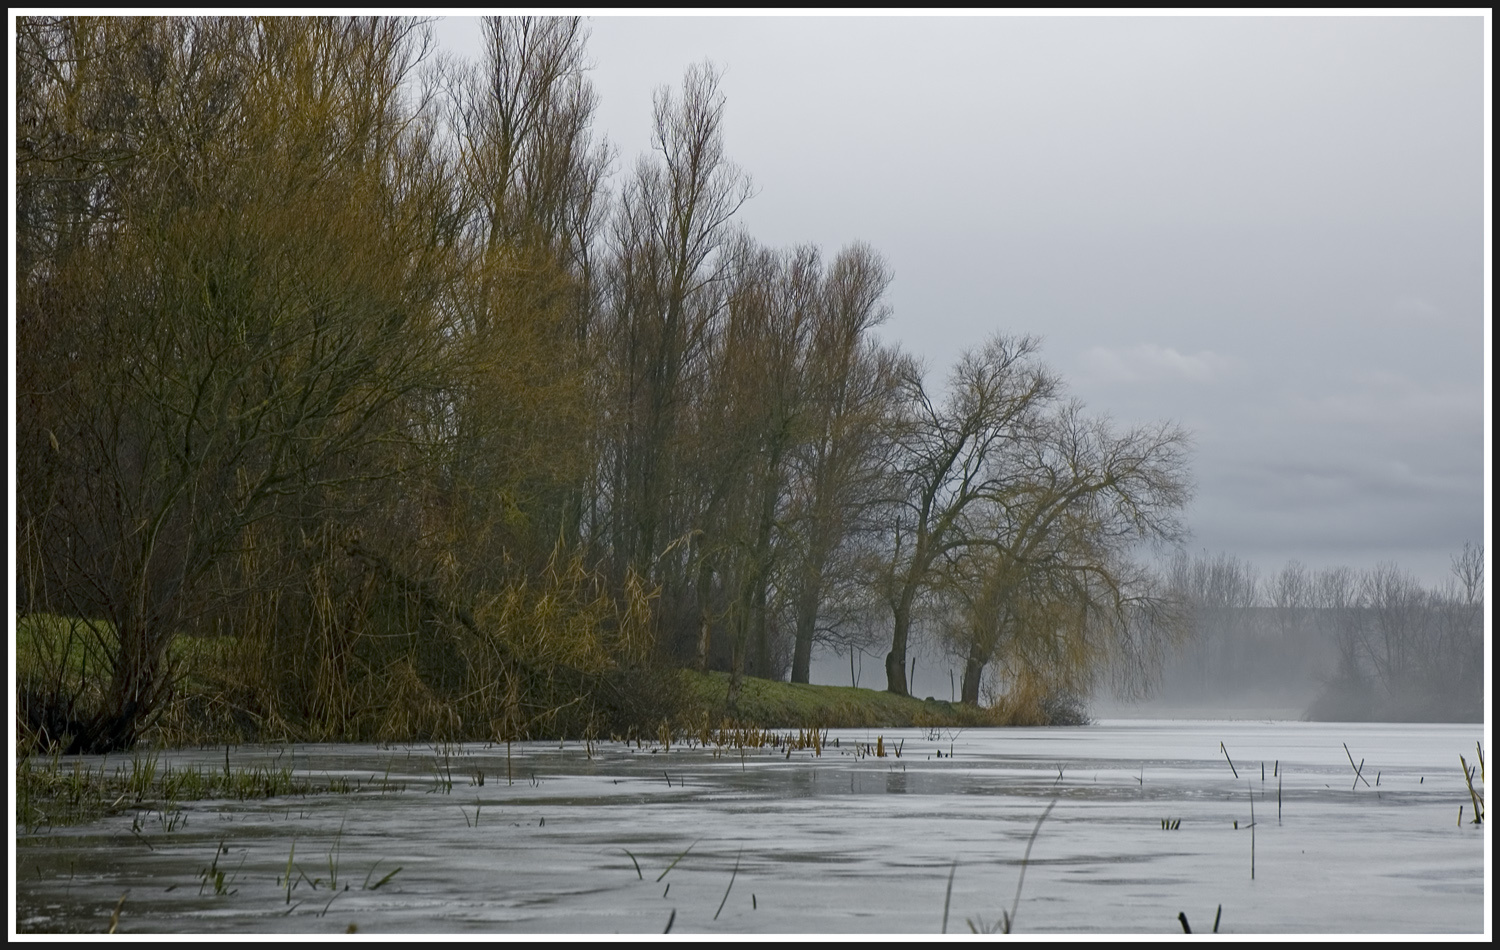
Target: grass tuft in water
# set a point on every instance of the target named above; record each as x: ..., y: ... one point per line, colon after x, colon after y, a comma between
x: 675, y: 860
x: 637, y: 864
x: 732, y: 875
x: 1008, y: 919
x: 367, y: 886
x: 948, y: 894
x: 1475, y: 798
x: 47, y: 793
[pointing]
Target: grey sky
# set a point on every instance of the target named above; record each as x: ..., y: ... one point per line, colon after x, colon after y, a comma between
x: 1271, y: 230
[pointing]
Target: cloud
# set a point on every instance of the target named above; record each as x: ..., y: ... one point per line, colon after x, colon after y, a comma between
x: 1148, y: 362
x: 1415, y: 310
x: 1394, y: 403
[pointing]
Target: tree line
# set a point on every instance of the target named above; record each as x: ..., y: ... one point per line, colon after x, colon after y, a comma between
x: 366, y: 360
x: 1348, y: 645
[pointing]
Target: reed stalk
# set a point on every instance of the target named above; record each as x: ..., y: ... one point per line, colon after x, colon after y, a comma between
x: 114, y: 919
x: 1357, y: 768
x: 1229, y: 760
x: 948, y: 895
x: 732, y: 875
x: 1473, y: 796
x: 1251, y: 792
x: 1010, y: 919
x: 676, y: 859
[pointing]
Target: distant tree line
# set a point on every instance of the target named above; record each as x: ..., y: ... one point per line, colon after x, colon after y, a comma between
x: 1351, y: 645
x: 352, y: 355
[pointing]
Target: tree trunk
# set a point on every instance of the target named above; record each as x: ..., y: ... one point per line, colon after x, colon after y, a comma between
x: 736, y: 662
x: 895, y: 661
x: 705, y: 614
x: 895, y: 672
x: 807, y: 619
x: 761, y: 632
x: 973, y: 672
x: 135, y: 690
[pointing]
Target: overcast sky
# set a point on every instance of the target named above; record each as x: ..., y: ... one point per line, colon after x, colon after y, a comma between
x: 1270, y: 230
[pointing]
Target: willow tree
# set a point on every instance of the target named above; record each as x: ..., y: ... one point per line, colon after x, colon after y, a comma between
x: 232, y: 304
x: 1048, y: 583
x: 943, y: 462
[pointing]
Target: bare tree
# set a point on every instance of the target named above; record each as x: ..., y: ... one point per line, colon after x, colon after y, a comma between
x: 1405, y: 651
x: 1290, y: 594
x: 1337, y: 600
x: 840, y: 467
x: 1389, y: 639
x: 1468, y: 570
x: 665, y: 291
x: 757, y: 394
x: 997, y: 395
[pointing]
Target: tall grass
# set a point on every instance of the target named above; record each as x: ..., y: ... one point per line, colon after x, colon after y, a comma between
x: 330, y: 641
x: 1475, y: 798
x: 53, y: 792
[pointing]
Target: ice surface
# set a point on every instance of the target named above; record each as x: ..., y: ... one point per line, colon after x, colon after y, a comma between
x: 844, y: 842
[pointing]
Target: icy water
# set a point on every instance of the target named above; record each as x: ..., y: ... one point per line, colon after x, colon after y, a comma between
x: 616, y: 839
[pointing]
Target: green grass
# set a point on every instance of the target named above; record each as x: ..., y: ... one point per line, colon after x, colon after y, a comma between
x: 64, y: 661
x: 770, y: 704
x: 211, y: 705
x: 52, y: 791
x: 47, y: 645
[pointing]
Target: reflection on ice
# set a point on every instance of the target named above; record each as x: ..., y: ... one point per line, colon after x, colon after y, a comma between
x: 550, y: 839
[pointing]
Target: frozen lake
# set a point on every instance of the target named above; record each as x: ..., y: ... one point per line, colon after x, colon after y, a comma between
x: 842, y: 842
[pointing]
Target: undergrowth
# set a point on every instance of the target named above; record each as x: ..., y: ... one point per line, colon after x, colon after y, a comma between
x: 361, y: 650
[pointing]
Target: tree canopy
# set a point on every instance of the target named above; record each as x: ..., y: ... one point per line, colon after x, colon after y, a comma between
x: 359, y: 359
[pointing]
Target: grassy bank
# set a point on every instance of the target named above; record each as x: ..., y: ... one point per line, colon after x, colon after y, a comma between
x: 57, y: 791
x: 770, y: 704
x: 225, y: 693
x: 212, y: 705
